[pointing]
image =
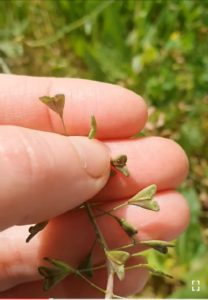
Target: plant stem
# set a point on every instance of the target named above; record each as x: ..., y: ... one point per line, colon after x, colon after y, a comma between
x: 95, y: 285
x: 64, y: 126
x: 111, y: 210
x: 92, y: 269
x: 99, y: 234
x: 110, y: 282
x: 119, y: 206
x: 127, y: 246
x: 142, y: 266
x: 90, y: 282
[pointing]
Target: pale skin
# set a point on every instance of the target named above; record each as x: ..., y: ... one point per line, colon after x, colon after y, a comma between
x: 44, y: 175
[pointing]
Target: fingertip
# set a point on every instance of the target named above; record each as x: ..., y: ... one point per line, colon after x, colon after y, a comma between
x: 94, y: 156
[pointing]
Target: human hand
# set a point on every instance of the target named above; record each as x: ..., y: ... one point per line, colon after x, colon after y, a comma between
x: 45, y: 175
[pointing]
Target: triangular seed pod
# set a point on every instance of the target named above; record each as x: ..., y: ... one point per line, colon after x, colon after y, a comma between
x: 146, y: 194
x: 55, y: 274
x: 55, y: 103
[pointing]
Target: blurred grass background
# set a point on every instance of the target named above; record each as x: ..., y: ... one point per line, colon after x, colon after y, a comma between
x: 159, y: 49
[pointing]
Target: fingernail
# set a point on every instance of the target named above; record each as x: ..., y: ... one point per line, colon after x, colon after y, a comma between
x: 94, y: 156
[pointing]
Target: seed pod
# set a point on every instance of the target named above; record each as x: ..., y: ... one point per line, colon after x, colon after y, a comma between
x: 144, y: 198
x: 146, y: 194
x: 93, y: 128
x: 160, y: 246
x: 155, y: 271
x: 54, y: 275
x: 150, y: 205
x: 118, y: 259
x: 33, y: 230
x: 119, y: 163
x: 127, y: 227
x: 55, y: 103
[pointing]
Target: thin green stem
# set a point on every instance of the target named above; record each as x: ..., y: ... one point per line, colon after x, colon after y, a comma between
x: 109, y: 289
x: 127, y: 246
x: 96, y: 286
x: 111, y: 210
x: 119, y: 206
x: 93, y: 269
x: 90, y: 282
x: 98, y: 232
x: 143, y: 266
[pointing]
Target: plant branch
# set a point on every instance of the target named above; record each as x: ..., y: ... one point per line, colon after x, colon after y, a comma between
x: 90, y: 282
x: 109, y: 289
x: 111, y: 210
x: 64, y: 126
x: 110, y: 283
x: 78, y: 273
x: 92, y: 269
x: 98, y: 232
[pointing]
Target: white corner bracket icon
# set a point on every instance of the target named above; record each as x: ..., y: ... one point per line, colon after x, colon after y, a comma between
x: 195, y: 285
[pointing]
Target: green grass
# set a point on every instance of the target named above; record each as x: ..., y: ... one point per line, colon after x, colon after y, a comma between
x: 157, y: 48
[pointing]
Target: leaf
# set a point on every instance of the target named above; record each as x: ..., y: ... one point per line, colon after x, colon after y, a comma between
x: 160, y: 246
x: 146, y: 194
x: 120, y: 164
x: 127, y: 227
x: 35, y: 229
x: 55, y: 274
x: 55, y: 103
x: 118, y: 259
x: 93, y: 128
x: 87, y: 264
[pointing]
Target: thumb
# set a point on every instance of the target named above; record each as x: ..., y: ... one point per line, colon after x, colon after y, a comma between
x: 45, y: 174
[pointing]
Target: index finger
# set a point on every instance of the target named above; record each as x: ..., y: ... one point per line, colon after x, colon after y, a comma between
x: 119, y: 112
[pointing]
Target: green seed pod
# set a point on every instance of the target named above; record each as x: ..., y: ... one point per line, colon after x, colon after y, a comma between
x: 55, y: 274
x: 117, y: 256
x: 120, y: 164
x: 127, y: 227
x: 118, y: 259
x: 160, y: 246
x: 146, y: 194
x: 93, y: 128
x: 151, y: 205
